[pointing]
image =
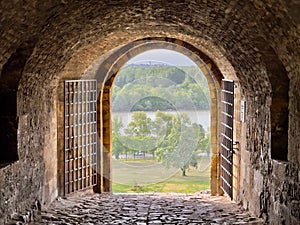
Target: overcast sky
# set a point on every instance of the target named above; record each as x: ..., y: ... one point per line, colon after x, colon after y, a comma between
x: 164, y: 56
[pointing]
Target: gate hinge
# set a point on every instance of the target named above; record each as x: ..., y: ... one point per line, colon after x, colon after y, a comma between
x: 236, y: 144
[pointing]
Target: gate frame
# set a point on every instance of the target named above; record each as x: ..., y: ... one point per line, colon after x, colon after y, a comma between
x: 61, y: 142
x: 227, y: 131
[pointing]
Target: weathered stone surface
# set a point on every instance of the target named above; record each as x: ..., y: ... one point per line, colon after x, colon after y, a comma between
x: 146, y: 209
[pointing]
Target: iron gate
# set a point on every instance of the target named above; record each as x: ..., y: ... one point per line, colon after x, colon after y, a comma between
x: 80, y: 143
x: 227, y: 100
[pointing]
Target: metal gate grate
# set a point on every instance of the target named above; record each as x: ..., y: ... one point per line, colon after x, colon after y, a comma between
x: 80, y: 135
x: 227, y: 136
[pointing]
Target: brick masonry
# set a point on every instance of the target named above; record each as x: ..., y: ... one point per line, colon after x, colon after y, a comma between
x: 60, y: 40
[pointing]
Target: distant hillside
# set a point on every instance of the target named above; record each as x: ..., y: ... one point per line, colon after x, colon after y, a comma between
x: 160, y: 87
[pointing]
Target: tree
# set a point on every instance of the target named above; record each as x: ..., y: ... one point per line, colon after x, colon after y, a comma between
x: 176, y: 75
x: 185, y: 155
x: 117, y: 124
x: 117, y: 146
x: 199, y: 132
x: 162, y: 125
x: 139, y: 133
x: 178, y: 149
x: 140, y: 125
x: 205, y: 144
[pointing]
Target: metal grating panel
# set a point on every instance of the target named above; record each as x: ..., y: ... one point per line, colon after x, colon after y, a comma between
x: 80, y: 134
x: 227, y: 136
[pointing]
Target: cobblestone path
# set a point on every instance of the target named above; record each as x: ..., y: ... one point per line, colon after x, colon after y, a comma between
x: 144, y: 209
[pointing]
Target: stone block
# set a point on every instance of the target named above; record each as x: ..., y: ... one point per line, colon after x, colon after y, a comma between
x: 279, y: 170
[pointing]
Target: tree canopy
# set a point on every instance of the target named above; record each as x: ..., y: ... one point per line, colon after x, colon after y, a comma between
x: 151, y: 88
x: 179, y: 147
x: 169, y: 138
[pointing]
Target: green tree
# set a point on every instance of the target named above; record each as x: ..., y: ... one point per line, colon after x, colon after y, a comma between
x: 178, y: 149
x: 136, y: 144
x: 199, y: 133
x: 117, y: 124
x: 139, y: 138
x: 205, y: 144
x: 185, y: 155
x: 162, y: 125
x: 176, y: 75
x: 117, y: 146
x: 140, y: 125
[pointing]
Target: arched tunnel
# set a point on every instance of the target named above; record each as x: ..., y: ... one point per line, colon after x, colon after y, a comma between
x: 254, y: 43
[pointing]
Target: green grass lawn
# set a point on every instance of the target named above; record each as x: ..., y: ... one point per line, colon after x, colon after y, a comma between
x: 150, y: 176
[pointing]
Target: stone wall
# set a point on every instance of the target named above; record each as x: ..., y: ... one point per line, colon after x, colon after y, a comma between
x: 21, y: 181
x: 44, y: 41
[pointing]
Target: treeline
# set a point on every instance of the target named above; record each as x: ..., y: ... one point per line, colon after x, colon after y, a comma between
x: 169, y: 138
x: 151, y: 88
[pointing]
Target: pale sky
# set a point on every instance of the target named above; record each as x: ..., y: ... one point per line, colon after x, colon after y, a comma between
x: 164, y: 56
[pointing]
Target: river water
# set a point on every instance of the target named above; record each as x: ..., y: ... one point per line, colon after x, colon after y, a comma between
x: 200, y: 117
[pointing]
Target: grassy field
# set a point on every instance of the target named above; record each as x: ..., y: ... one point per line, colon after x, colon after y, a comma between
x: 150, y: 176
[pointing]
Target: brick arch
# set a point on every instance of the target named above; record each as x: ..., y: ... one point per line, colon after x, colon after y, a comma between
x: 115, y: 63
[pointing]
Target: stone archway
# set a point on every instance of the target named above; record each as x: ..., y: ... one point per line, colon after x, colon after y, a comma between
x: 119, y: 58
x: 104, y: 69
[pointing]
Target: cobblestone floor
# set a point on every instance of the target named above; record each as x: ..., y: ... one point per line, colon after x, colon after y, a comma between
x: 144, y: 209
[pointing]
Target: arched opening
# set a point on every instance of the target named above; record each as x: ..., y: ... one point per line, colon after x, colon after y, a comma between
x: 208, y: 68
x: 9, y: 122
x: 105, y: 70
x: 160, y: 125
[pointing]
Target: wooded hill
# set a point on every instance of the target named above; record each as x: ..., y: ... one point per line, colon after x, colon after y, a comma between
x: 160, y: 87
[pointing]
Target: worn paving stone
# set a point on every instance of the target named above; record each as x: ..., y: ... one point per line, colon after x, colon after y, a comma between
x: 145, y: 209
